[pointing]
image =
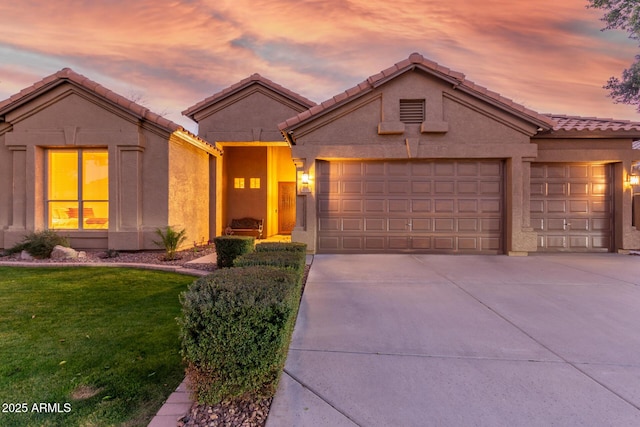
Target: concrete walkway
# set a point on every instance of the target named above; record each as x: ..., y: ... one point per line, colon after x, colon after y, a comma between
x: 434, y: 340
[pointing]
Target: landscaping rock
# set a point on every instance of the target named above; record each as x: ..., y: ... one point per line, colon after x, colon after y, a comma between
x: 60, y: 252
x: 26, y: 256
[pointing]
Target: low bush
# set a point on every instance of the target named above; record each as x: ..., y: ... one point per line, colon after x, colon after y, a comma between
x: 39, y: 244
x: 283, y: 259
x: 282, y: 246
x: 229, y: 248
x: 170, y: 240
x: 236, y: 325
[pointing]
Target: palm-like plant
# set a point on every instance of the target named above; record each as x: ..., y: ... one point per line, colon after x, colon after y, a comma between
x: 170, y: 240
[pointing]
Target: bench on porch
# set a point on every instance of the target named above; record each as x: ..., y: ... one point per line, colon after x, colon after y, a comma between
x: 246, y: 227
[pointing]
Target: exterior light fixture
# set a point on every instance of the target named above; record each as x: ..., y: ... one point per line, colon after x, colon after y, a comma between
x: 634, y: 173
x: 304, y: 183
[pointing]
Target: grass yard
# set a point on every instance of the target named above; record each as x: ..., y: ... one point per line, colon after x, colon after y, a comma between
x: 87, y: 346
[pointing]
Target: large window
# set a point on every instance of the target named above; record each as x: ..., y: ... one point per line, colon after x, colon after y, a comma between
x: 78, y: 189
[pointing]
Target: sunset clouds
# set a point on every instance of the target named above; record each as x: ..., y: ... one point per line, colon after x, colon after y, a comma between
x: 548, y: 55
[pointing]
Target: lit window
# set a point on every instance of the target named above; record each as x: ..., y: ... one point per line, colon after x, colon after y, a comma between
x: 254, y: 182
x: 238, y: 182
x: 78, y: 189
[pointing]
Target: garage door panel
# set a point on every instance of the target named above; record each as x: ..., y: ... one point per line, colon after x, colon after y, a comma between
x: 557, y: 190
x: 444, y: 243
x: 352, y: 205
x: 579, y: 171
x: 353, y: 224
x: 374, y: 169
x: 352, y: 169
x: 557, y: 206
x: 375, y: 224
x: 375, y: 206
x: 579, y: 206
x: 329, y: 224
x: 352, y: 187
x: 492, y: 169
x: 444, y: 225
x: 398, y: 224
x: 400, y: 205
x: 574, y: 214
x: 354, y: 243
x: 398, y: 187
x: 374, y: 243
x: 444, y: 187
x: 468, y: 206
x: 421, y: 187
x: 444, y: 169
x: 491, y: 225
x: 374, y: 188
x: 490, y: 188
x: 467, y: 187
x: 421, y: 225
x: 468, y: 224
x: 410, y: 206
x: 442, y: 206
x: 422, y: 206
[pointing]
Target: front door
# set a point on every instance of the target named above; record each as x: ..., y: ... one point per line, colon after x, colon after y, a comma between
x: 286, y: 207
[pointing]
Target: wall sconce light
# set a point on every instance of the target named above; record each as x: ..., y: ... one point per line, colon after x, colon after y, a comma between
x: 634, y: 173
x: 304, y: 182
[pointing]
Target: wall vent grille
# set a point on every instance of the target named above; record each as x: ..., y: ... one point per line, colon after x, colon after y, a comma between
x: 412, y: 111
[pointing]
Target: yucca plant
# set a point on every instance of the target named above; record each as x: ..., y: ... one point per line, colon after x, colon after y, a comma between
x: 170, y: 240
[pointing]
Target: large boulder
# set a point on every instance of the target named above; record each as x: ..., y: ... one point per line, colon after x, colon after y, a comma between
x: 61, y: 252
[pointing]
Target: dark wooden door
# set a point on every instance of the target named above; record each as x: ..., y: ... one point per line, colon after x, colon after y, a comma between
x: 286, y: 207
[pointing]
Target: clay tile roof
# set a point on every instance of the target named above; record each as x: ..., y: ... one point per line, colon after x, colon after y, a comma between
x: 577, y: 123
x: 416, y: 60
x: 68, y: 75
x: 252, y: 79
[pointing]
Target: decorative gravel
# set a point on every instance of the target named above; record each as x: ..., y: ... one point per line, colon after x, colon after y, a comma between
x: 138, y: 257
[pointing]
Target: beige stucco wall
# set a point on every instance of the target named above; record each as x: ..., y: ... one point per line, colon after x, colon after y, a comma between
x: 6, y: 172
x: 252, y: 114
x: 189, y: 191
x: 457, y: 126
x: 69, y: 117
x: 616, y: 151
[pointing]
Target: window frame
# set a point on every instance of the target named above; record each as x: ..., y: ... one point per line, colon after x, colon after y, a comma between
x: 102, y: 224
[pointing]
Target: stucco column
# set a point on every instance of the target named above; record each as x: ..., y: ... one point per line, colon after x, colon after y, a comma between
x: 19, y: 186
x: 521, y: 239
x: 17, y: 226
x: 126, y: 199
x: 304, y: 231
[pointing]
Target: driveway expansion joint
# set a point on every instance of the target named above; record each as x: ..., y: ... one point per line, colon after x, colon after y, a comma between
x: 319, y: 396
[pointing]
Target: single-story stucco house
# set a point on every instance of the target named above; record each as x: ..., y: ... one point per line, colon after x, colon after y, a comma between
x: 414, y: 159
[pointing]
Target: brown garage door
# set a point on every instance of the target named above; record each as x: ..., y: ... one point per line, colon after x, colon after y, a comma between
x: 410, y: 206
x: 572, y: 206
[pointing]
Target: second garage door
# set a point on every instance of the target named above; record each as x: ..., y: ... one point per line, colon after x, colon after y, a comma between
x: 410, y: 206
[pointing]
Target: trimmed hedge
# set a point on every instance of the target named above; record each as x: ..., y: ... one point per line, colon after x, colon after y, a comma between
x: 283, y: 259
x: 236, y: 326
x: 229, y: 248
x: 282, y: 246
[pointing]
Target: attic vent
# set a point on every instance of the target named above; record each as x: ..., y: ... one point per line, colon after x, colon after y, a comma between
x: 412, y: 111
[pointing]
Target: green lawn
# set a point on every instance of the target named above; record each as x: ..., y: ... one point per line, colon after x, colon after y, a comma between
x: 87, y: 346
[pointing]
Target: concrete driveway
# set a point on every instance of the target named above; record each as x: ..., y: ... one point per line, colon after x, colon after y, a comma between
x: 436, y: 340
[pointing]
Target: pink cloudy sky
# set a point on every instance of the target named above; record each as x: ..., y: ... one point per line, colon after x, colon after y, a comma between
x: 549, y: 55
